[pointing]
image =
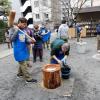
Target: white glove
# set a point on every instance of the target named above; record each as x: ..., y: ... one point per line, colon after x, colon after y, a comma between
x: 59, y: 61
x: 64, y: 60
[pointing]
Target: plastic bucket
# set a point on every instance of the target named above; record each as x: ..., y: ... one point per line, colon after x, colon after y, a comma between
x: 65, y: 72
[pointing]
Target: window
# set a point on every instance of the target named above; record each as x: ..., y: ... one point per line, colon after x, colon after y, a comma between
x: 45, y: 3
x: 37, y: 16
x: 46, y: 15
x: 36, y: 3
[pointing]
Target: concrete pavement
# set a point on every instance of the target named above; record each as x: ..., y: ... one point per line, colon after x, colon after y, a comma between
x: 13, y: 88
x: 4, y: 51
x: 85, y: 71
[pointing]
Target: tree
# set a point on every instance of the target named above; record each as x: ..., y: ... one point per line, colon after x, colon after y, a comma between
x: 72, y: 9
x: 3, y: 26
x: 55, y: 11
x: 6, y: 5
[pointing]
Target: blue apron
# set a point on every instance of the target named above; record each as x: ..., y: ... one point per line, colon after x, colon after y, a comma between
x: 21, y: 51
x: 59, y: 55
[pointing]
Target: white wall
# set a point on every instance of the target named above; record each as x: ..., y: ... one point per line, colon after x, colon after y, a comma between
x: 16, y: 6
x: 96, y: 2
x: 40, y: 10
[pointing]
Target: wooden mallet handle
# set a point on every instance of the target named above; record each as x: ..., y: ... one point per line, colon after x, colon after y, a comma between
x: 28, y: 35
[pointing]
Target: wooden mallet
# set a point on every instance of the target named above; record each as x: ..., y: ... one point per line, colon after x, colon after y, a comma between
x: 11, y: 18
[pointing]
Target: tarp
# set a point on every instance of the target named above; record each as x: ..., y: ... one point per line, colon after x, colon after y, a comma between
x: 46, y: 37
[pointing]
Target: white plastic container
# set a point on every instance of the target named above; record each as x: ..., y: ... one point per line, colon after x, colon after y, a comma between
x: 81, y: 47
x: 97, y: 56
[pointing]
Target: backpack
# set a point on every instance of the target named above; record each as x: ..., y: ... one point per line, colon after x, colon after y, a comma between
x: 56, y: 44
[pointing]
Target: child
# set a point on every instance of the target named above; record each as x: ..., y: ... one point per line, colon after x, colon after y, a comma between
x: 78, y: 29
x: 21, y: 52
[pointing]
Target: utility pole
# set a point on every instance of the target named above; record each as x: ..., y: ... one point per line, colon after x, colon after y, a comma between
x: 91, y: 3
x: 55, y: 12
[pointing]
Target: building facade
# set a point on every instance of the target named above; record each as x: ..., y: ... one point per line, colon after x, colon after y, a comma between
x: 16, y: 6
x: 88, y: 16
x: 23, y: 9
x: 41, y: 10
x: 35, y: 11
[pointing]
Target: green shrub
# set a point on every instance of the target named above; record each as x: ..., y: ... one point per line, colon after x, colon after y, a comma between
x: 3, y: 26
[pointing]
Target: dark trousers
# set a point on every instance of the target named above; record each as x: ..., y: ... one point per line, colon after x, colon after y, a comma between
x: 98, y: 42
x: 46, y: 44
x: 37, y: 52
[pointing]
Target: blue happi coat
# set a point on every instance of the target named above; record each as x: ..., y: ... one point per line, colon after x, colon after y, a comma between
x: 59, y: 54
x: 21, y: 51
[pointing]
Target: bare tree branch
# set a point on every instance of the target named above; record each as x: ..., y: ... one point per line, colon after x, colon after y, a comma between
x: 79, y: 8
x: 70, y: 10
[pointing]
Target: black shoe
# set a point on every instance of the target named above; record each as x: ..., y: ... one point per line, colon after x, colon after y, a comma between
x: 32, y: 80
x: 41, y: 60
x: 19, y: 75
x: 29, y: 65
x: 34, y: 61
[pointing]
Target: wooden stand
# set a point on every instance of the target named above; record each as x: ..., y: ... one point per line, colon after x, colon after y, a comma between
x: 71, y: 32
x: 51, y: 76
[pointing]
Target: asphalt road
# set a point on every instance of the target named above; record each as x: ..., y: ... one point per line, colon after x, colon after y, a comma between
x: 85, y: 71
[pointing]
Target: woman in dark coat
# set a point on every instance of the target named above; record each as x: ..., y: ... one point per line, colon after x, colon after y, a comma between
x: 38, y: 46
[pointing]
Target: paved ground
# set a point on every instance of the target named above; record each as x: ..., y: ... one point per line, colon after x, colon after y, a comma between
x: 85, y: 71
x: 3, y: 47
x: 4, y: 51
